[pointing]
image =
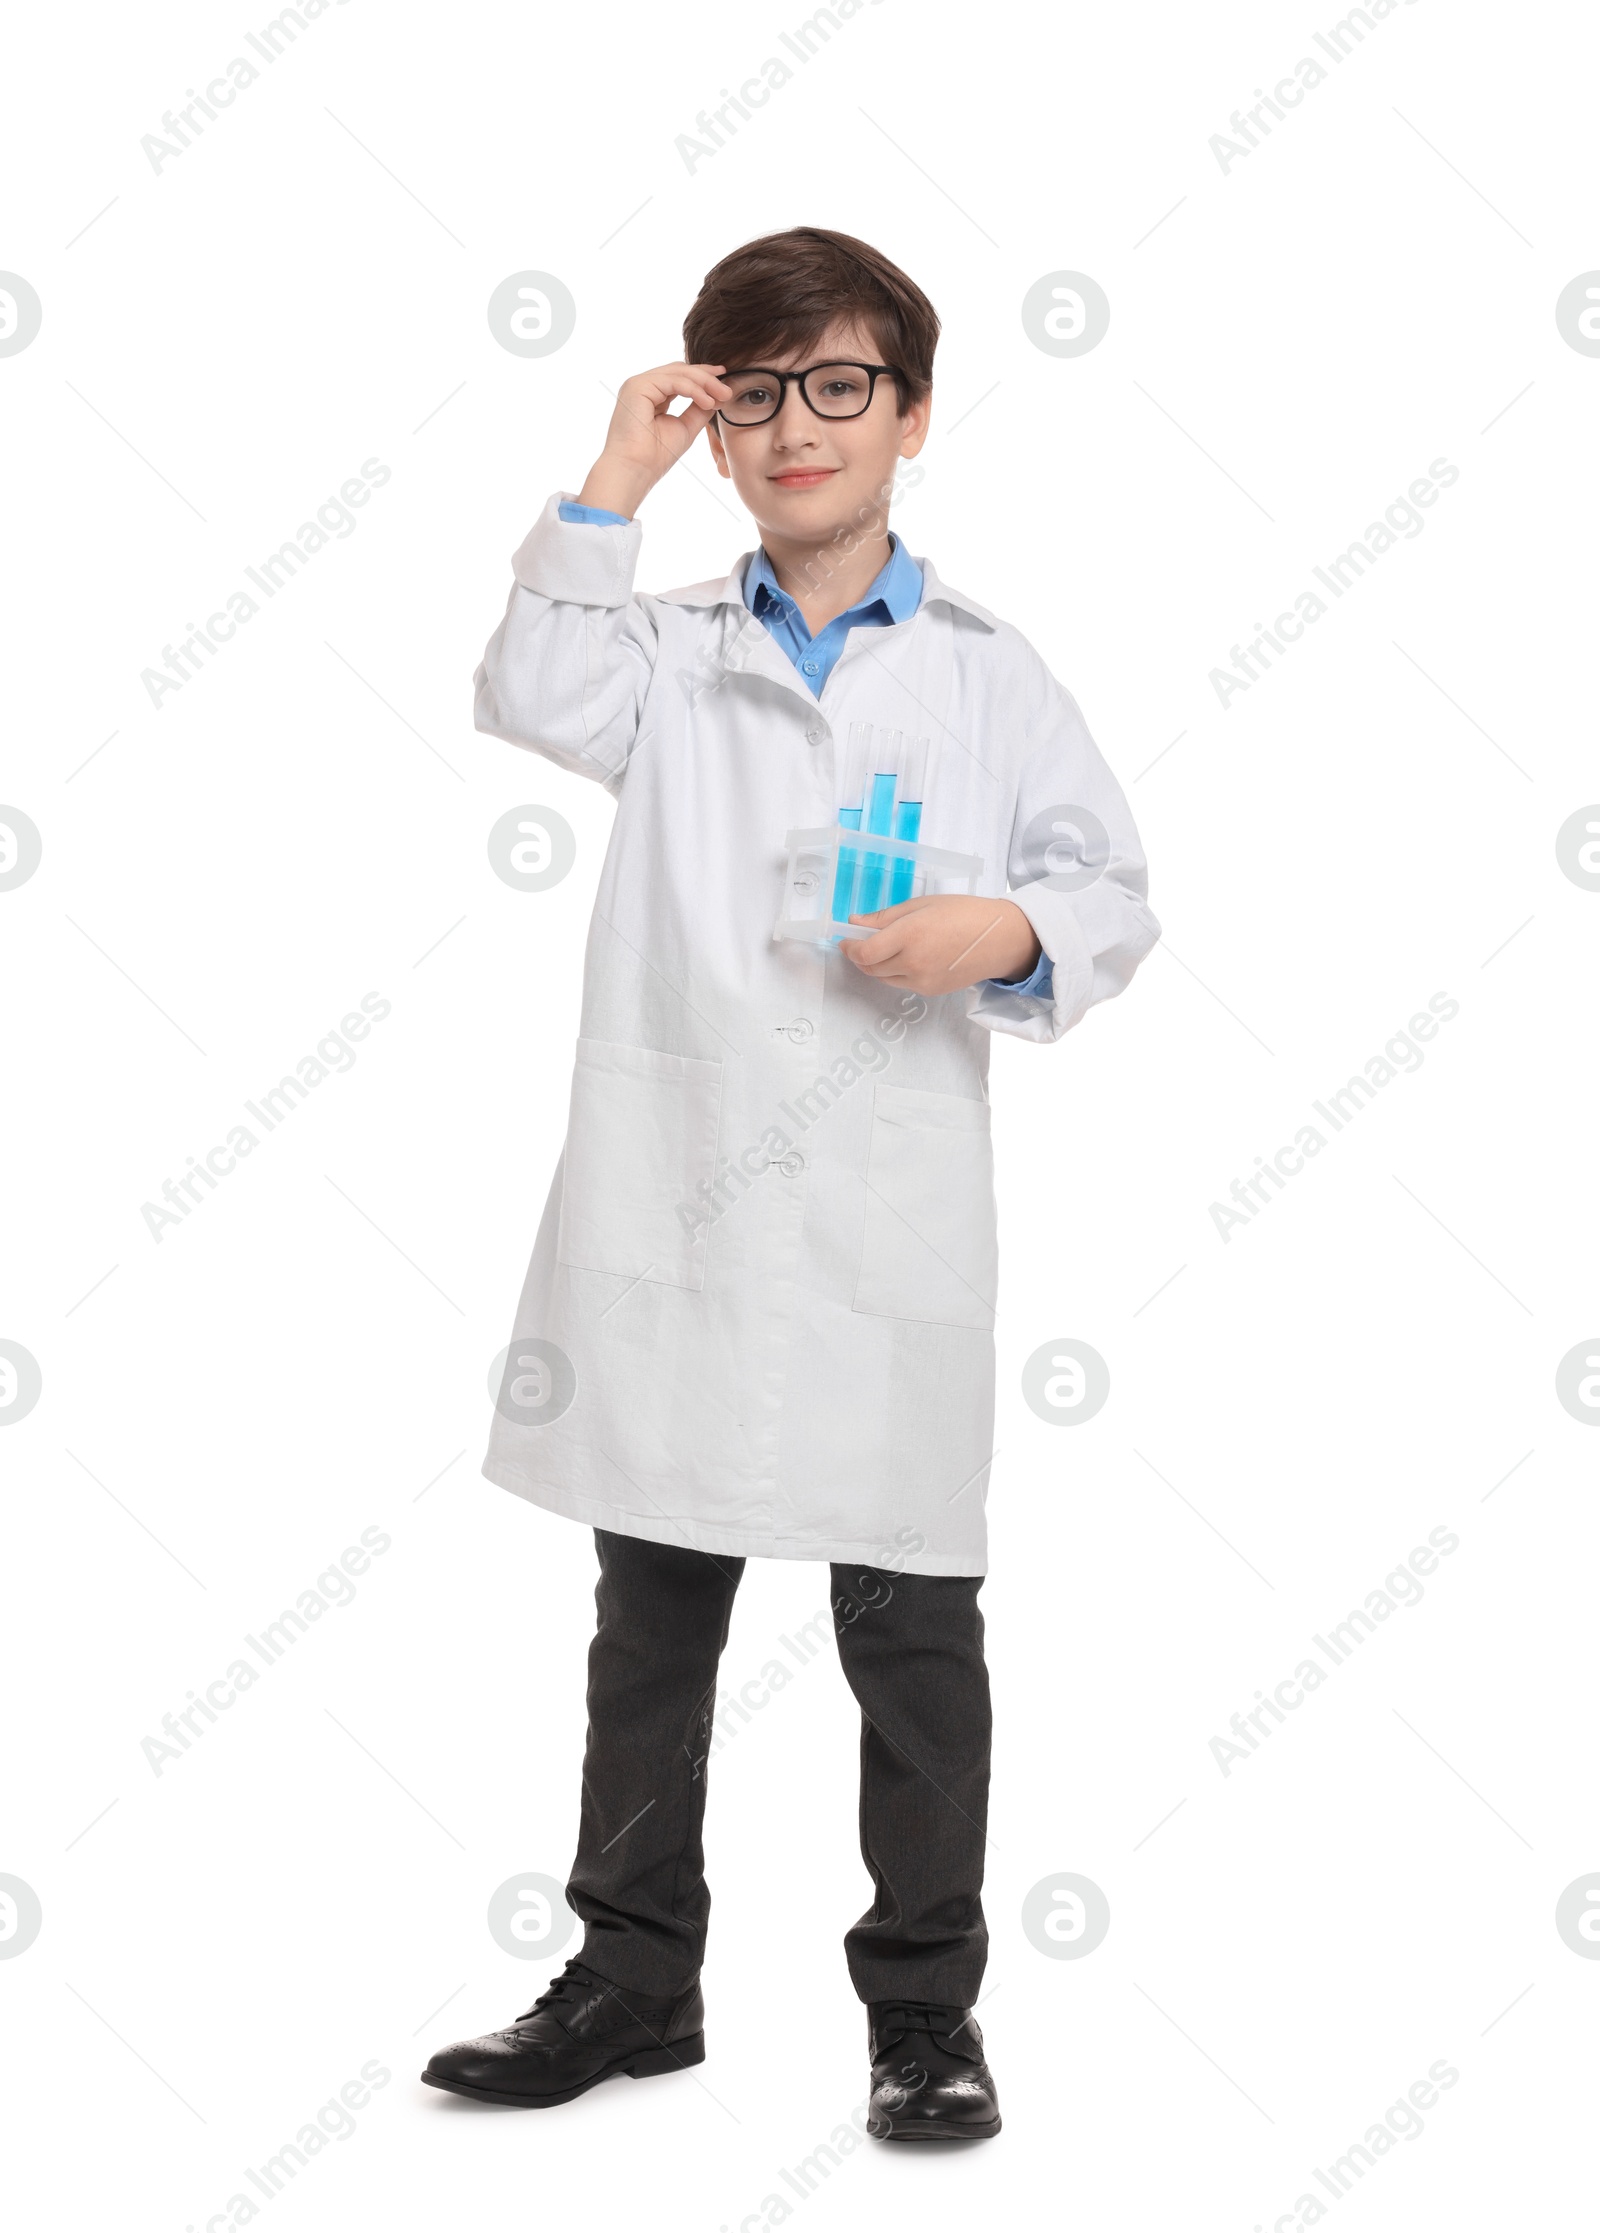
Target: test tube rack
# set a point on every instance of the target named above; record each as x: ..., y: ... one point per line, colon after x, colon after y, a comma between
x: 872, y: 857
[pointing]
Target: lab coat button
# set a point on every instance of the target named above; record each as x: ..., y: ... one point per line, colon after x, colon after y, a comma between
x: 815, y: 735
x: 801, y: 1028
x: 792, y: 1164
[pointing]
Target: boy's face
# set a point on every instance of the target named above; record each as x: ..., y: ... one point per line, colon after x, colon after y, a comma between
x: 808, y: 479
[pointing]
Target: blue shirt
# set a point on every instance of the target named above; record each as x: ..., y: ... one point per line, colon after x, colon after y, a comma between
x: 893, y: 595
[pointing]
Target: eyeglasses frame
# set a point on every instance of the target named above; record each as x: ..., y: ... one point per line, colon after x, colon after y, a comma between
x: 873, y: 371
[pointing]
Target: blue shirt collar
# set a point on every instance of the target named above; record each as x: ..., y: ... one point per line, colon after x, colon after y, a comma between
x: 897, y: 586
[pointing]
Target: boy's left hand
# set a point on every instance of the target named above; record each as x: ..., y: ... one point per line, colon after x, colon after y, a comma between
x: 945, y: 942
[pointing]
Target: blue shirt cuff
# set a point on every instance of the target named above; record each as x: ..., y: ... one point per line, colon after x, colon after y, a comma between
x: 593, y: 514
x: 1039, y: 984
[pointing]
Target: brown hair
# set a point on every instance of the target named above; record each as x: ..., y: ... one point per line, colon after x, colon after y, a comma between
x: 784, y: 290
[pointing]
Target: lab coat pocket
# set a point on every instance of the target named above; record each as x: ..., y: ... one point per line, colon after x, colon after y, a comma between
x: 641, y: 1141
x: 928, y: 1246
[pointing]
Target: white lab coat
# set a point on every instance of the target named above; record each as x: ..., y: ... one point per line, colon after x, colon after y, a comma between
x: 768, y: 1256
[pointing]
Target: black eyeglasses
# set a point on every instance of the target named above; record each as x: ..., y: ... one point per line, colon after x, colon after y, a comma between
x: 833, y: 391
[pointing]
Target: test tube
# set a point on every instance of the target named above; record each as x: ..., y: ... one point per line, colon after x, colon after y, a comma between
x: 908, y: 812
x: 882, y: 783
x: 855, y: 777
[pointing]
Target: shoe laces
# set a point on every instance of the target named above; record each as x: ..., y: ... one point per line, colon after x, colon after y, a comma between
x: 897, y: 2017
x: 574, y: 1979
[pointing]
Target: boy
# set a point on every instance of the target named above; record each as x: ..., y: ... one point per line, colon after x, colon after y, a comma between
x: 758, y: 1320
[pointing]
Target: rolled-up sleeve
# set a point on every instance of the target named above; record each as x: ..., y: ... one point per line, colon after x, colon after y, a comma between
x: 1076, y: 869
x: 566, y: 672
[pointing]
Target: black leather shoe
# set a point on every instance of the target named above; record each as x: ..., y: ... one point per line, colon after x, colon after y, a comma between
x: 929, y: 2078
x: 582, y: 2030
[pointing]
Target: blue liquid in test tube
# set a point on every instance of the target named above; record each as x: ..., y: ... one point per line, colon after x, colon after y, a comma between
x: 880, y: 821
x: 908, y: 814
x: 844, y: 875
x: 853, y: 787
x: 907, y: 824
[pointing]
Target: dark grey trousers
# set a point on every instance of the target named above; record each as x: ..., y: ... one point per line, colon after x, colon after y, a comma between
x: 911, y: 1646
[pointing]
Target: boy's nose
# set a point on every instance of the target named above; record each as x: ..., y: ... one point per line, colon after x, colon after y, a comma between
x: 796, y: 421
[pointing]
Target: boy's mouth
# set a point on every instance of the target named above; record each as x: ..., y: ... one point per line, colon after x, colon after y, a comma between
x: 811, y: 478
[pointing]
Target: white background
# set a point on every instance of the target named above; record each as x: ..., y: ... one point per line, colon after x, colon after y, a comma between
x: 306, y: 1355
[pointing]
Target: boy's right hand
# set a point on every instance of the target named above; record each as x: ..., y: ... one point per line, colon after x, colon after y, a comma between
x: 645, y: 438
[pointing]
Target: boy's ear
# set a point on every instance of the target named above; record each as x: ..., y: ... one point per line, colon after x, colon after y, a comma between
x: 719, y: 453
x: 914, y: 425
